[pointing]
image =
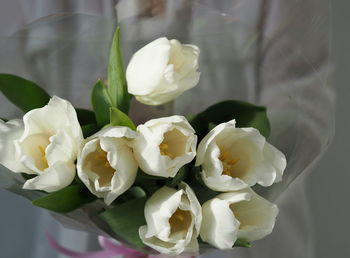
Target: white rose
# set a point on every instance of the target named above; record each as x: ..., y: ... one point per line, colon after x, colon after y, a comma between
x: 48, y: 145
x: 235, y: 158
x: 162, y: 70
x: 237, y: 215
x: 164, y: 145
x: 173, y: 221
x: 106, y: 164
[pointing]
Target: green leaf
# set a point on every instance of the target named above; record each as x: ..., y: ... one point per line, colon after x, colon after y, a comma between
x: 125, y: 220
x: 245, y: 114
x: 85, y: 116
x: 117, y: 89
x: 23, y: 93
x: 149, y: 183
x: 101, y: 103
x: 3, y: 119
x: 65, y: 200
x: 28, y: 176
x: 242, y: 243
x: 202, y: 192
x: 180, y: 176
x: 90, y: 129
x: 118, y: 118
x: 136, y: 192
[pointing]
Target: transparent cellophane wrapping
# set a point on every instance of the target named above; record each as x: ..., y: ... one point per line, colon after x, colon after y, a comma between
x: 272, y: 53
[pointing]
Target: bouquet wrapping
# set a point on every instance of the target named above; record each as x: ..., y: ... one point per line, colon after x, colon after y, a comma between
x: 100, y: 164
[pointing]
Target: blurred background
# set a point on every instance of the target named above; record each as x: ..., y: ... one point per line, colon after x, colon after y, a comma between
x: 325, y: 191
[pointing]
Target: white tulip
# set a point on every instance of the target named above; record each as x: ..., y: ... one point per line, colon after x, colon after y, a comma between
x: 106, y: 164
x: 9, y: 132
x: 237, y: 215
x: 162, y: 70
x: 173, y: 221
x: 235, y: 158
x: 47, y: 147
x: 164, y: 145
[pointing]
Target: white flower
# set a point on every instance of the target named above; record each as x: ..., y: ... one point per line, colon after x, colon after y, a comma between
x: 106, y: 164
x: 162, y: 70
x: 164, y: 145
x: 237, y: 215
x: 235, y: 158
x: 48, y: 145
x: 9, y: 132
x: 173, y: 221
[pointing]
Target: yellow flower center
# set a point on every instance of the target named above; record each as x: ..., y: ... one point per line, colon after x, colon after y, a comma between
x: 45, y: 164
x: 173, y: 144
x: 102, y: 156
x: 180, y: 221
x: 98, y: 163
x: 229, y: 164
x: 163, y: 150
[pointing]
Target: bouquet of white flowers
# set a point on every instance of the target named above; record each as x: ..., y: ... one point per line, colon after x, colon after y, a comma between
x: 167, y: 185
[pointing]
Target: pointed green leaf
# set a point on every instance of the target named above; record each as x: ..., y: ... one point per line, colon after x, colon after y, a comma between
x: 118, y: 118
x: 117, y: 89
x: 101, y: 103
x: 65, y: 200
x: 245, y: 114
x: 125, y: 220
x: 23, y: 93
x: 85, y: 116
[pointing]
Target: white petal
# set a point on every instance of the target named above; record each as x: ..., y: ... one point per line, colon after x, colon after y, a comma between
x: 159, y: 245
x: 212, y: 173
x: 276, y: 159
x: 162, y: 70
x: 192, y: 247
x: 224, y: 183
x: 60, y: 148
x: 219, y: 225
x: 176, y: 119
x: 179, y: 137
x: 120, y: 157
x: 203, y: 145
x: 158, y: 210
x: 53, y: 179
x: 42, y: 120
x: 9, y: 133
x: 115, y: 132
x: 257, y: 161
x: 195, y: 205
x: 84, y: 174
x: 114, y: 141
x: 146, y: 67
x: 257, y: 216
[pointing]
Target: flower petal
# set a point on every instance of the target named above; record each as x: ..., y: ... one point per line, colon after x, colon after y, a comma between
x: 256, y: 215
x: 10, y: 132
x: 176, y: 134
x: 219, y: 225
x: 158, y: 210
x: 277, y: 159
x: 53, y: 179
x: 146, y: 67
x: 107, y: 156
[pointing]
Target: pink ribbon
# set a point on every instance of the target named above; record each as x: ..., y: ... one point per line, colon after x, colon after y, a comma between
x: 109, y: 250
